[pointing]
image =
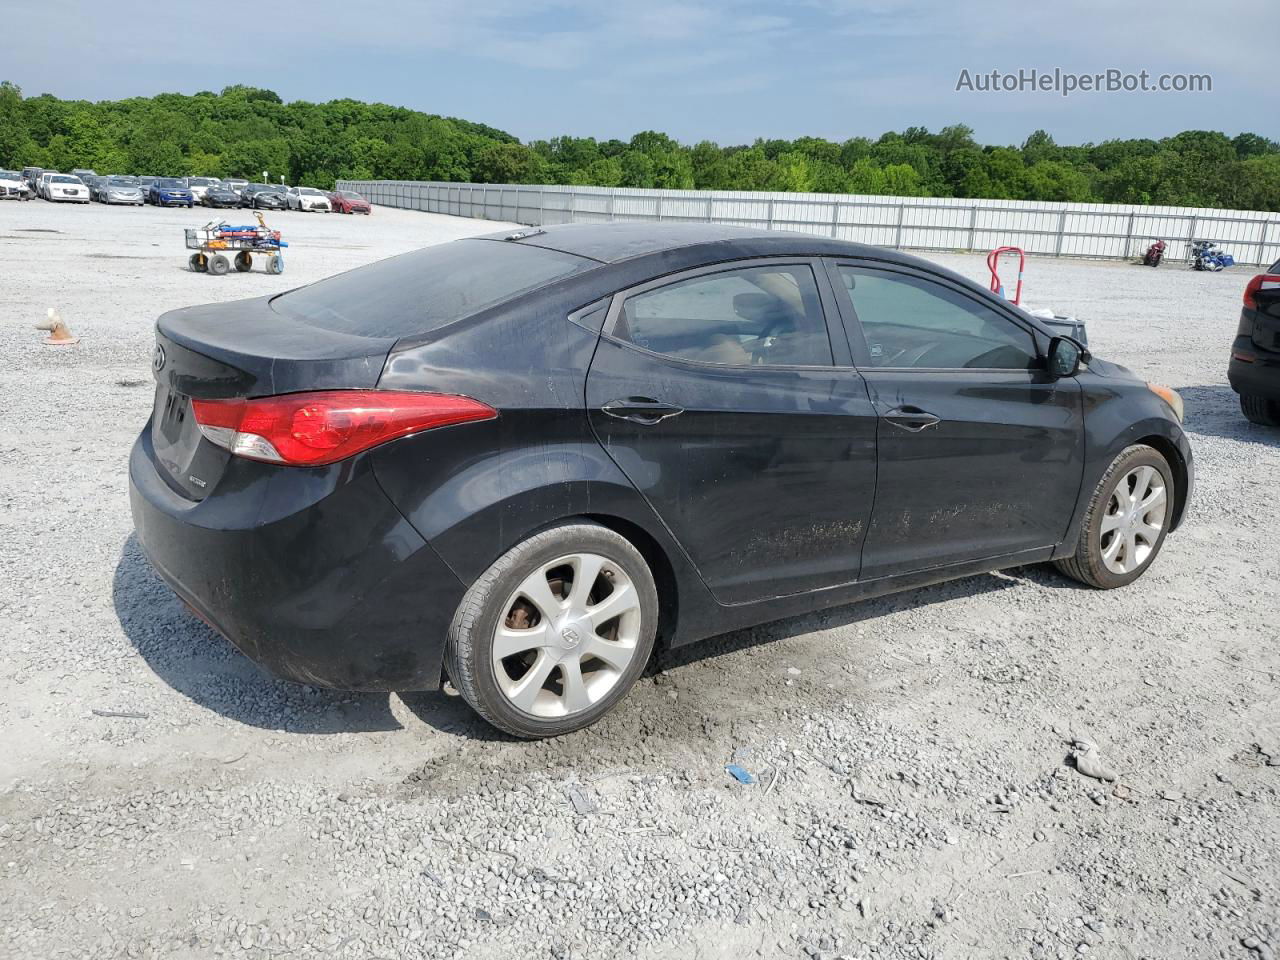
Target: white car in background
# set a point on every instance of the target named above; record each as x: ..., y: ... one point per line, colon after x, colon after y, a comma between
x: 199, y: 186
x: 65, y: 186
x: 308, y: 198
x: 13, y: 187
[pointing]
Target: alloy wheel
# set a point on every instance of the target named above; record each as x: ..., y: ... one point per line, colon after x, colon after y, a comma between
x: 566, y: 636
x: 1134, y: 520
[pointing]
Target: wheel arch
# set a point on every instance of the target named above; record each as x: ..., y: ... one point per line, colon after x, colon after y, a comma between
x: 1109, y: 430
x: 1173, y: 456
x: 660, y: 565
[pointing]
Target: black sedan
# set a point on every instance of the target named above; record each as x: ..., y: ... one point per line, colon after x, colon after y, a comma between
x: 264, y: 196
x: 521, y: 460
x: 220, y: 196
x: 1254, y: 371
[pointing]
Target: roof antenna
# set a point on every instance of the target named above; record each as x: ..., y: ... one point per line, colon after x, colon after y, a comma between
x: 525, y: 234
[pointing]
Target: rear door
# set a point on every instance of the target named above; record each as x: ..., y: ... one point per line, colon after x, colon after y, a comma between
x: 980, y: 451
x: 718, y: 394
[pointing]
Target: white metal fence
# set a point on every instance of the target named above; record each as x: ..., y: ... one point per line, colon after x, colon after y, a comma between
x: 1098, y: 230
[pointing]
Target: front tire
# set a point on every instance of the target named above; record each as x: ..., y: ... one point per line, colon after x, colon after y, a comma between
x: 1126, y: 521
x: 1260, y: 410
x: 554, y: 634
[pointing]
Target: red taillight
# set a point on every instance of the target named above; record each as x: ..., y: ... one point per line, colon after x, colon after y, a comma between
x: 313, y: 429
x: 1263, y: 281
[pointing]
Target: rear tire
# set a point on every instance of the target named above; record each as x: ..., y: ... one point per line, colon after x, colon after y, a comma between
x: 275, y: 265
x: 219, y: 265
x: 1260, y: 410
x: 585, y: 665
x: 1113, y: 550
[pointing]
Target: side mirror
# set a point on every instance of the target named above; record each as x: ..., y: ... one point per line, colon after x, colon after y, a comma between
x: 1065, y: 357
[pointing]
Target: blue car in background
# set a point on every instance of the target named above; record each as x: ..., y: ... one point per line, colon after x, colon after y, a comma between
x: 170, y: 192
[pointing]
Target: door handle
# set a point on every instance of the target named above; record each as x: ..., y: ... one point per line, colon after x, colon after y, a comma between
x: 911, y: 418
x: 644, y: 410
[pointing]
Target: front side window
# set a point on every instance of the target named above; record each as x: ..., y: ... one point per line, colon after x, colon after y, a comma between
x: 755, y: 315
x: 913, y: 322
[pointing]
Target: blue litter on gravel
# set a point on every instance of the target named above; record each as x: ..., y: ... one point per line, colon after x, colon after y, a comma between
x: 740, y: 773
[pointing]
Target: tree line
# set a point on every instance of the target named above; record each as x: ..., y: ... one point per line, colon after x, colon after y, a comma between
x: 243, y: 131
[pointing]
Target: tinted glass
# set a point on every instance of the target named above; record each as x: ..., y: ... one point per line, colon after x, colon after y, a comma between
x: 757, y: 315
x: 63, y: 178
x: 420, y: 291
x: 171, y: 182
x: 912, y: 322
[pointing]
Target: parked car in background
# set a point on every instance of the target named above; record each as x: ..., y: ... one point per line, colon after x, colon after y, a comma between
x: 366, y: 481
x: 304, y: 199
x: 65, y: 187
x: 84, y: 173
x: 348, y: 201
x: 42, y: 181
x: 93, y: 182
x: 145, y: 183
x: 264, y: 196
x: 32, y: 177
x: 121, y: 190
x: 170, y: 192
x: 220, y: 195
x: 1254, y: 370
x: 236, y: 185
x: 13, y: 186
x: 198, y: 186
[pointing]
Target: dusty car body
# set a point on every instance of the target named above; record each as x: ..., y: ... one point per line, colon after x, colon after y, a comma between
x: 703, y: 407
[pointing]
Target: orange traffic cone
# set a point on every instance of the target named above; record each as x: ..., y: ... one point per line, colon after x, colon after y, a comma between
x: 59, y: 333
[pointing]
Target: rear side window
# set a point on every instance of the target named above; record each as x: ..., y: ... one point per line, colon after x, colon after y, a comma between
x: 417, y: 292
x: 913, y: 322
x: 768, y: 315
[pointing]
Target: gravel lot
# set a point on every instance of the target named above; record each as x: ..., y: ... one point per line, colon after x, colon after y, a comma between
x: 915, y: 797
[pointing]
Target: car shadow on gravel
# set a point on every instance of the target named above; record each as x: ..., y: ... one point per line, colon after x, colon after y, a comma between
x: 1214, y: 411
x: 204, y: 667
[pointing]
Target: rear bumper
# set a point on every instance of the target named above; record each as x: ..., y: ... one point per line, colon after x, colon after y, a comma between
x: 1261, y: 377
x: 311, y: 573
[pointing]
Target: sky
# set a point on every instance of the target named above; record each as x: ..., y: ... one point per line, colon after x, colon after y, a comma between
x: 724, y: 70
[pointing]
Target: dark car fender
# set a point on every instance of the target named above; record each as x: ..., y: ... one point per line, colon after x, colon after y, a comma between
x: 1118, y: 414
x: 495, y: 496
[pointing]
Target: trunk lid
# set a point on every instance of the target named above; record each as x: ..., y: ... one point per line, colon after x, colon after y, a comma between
x: 242, y: 349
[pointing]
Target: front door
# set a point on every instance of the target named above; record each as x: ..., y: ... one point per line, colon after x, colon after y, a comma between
x: 980, y: 450
x: 717, y: 393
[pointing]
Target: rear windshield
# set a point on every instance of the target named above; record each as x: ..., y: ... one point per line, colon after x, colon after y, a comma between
x: 420, y: 291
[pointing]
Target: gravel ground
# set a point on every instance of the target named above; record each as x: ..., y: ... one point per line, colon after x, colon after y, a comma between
x: 915, y: 796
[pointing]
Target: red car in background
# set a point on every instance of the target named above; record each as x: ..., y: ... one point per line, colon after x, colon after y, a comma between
x: 348, y: 201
